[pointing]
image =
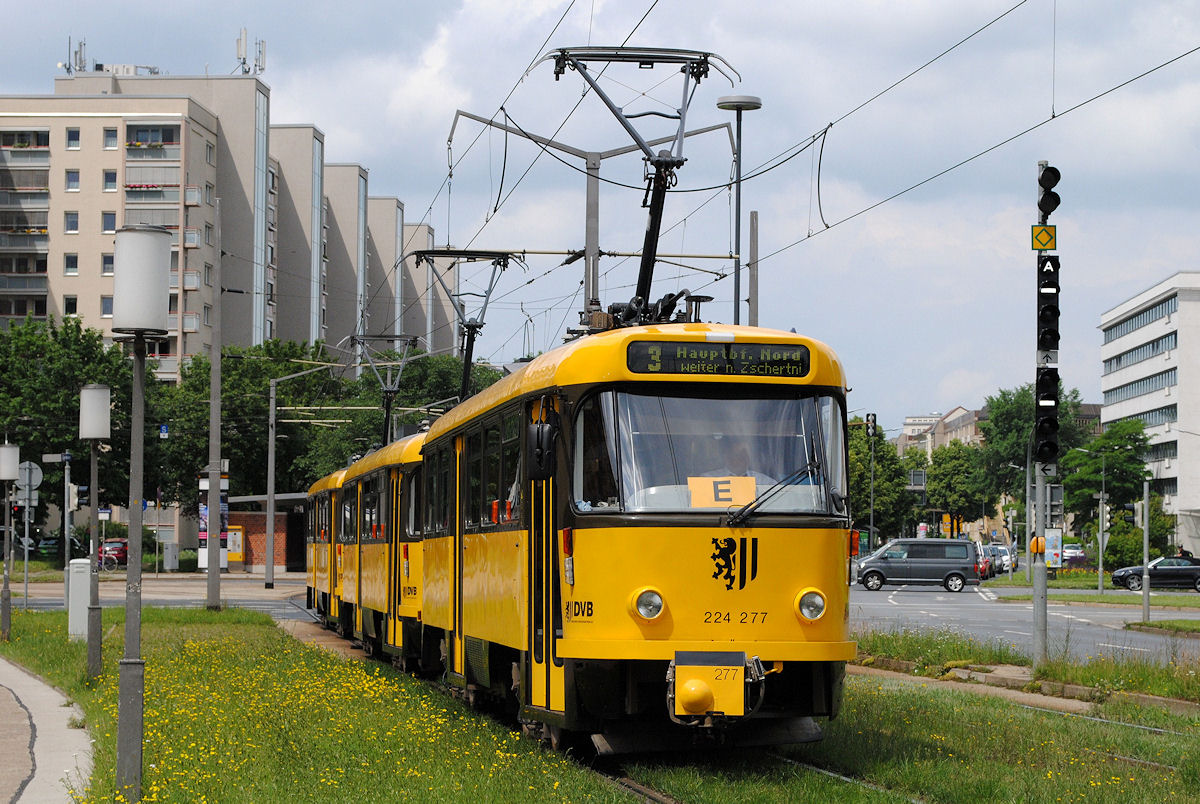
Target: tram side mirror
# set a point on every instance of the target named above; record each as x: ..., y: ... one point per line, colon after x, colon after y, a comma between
x: 539, y: 446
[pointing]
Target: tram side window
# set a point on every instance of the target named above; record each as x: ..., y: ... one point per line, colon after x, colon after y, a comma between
x: 492, y: 503
x: 414, y: 482
x: 595, y: 481
x: 430, y: 521
x: 370, y: 514
x: 347, y: 533
x: 510, y: 469
x: 446, y: 489
x: 474, y: 479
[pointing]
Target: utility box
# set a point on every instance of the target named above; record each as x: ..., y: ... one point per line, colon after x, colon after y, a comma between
x: 79, y: 575
x: 170, y: 556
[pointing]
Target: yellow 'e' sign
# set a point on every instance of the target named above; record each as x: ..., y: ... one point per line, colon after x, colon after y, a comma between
x: 721, y: 492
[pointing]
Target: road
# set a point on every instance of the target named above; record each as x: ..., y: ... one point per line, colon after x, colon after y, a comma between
x: 284, y: 602
x: 1080, y: 631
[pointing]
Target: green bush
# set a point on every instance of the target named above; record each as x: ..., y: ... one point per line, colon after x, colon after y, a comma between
x: 1125, y: 549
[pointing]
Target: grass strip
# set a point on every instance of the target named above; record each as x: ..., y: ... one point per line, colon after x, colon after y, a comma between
x: 945, y: 746
x: 1119, y: 597
x: 237, y: 711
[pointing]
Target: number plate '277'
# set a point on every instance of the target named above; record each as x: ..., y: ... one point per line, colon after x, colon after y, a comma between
x: 727, y: 359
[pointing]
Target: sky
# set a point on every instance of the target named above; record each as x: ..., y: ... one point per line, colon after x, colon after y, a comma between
x: 916, y: 269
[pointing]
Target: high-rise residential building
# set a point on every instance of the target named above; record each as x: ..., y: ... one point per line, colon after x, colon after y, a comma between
x: 385, y: 247
x: 430, y: 315
x: 1151, y: 371
x: 300, y: 277
x: 346, y: 254
x: 75, y: 169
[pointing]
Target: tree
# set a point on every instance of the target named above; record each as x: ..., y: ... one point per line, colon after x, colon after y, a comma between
x: 956, y: 482
x: 892, y: 503
x: 45, y: 364
x: 1007, y: 428
x: 1113, y: 461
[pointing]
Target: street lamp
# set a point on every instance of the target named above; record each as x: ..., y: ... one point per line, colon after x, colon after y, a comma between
x: 142, y: 260
x: 10, y: 462
x: 739, y: 104
x: 94, y: 425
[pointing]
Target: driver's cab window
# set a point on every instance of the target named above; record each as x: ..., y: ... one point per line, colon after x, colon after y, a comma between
x: 896, y: 551
x: 594, y: 479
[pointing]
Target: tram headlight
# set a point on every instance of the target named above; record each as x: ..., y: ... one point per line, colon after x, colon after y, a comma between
x: 648, y: 604
x: 810, y: 604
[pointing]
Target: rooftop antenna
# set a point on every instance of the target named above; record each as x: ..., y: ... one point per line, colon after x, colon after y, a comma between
x: 661, y: 165
x: 66, y: 65
x: 241, y: 53
x: 260, y: 56
x: 81, y: 56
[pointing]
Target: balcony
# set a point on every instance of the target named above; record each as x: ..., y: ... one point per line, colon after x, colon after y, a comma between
x: 151, y: 193
x: 25, y: 155
x: 191, y: 322
x: 167, y: 365
x: 191, y: 280
x: 191, y: 196
x: 25, y: 198
x: 23, y: 282
x: 191, y: 237
x: 157, y: 151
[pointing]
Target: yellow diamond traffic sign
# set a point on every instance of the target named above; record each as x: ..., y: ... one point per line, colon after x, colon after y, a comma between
x: 1043, y: 238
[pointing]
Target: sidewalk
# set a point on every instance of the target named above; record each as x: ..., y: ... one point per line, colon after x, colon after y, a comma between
x: 43, y: 756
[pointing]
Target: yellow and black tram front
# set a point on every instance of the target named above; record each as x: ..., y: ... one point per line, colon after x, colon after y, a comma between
x: 703, y: 543
x: 674, y: 562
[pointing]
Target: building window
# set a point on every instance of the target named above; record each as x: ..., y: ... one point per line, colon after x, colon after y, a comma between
x: 72, y: 181
x: 208, y: 234
x: 73, y: 139
x: 210, y: 153
x: 108, y: 222
x: 207, y: 315
x: 106, y: 265
x: 208, y: 273
x: 71, y: 222
x: 71, y: 264
x: 1161, y: 310
x: 110, y: 181
x: 209, y: 190
x: 70, y: 305
x: 110, y: 138
x: 106, y: 306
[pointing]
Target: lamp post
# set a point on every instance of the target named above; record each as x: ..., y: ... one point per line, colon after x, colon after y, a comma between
x: 738, y: 104
x: 142, y: 259
x: 94, y: 425
x: 10, y: 461
x: 1100, y: 534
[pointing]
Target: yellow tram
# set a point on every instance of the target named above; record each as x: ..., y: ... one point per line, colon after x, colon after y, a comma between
x: 641, y: 536
x: 324, y: 586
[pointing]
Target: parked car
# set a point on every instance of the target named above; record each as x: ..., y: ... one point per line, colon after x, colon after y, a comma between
x: 949, y: 562
x: 997, y: 559
x: 1072, y: 551
x: 1179, y: 572
x: 1005, y: 557
x: 116, y: 549
x: 50, y: 547
x: 984, y: 561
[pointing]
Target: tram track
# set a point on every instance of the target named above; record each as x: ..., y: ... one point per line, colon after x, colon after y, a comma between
x: 840, y: 777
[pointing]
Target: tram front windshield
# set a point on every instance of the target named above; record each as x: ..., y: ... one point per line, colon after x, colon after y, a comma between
x: 642, y: 452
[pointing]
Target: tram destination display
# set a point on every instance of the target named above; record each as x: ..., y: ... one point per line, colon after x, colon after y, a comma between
x: 725, y: 359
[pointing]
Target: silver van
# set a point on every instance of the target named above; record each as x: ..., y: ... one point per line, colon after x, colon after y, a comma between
x: 953, y: 563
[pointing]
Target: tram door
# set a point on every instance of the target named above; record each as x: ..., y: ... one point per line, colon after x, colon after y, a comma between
x: 546, y: 688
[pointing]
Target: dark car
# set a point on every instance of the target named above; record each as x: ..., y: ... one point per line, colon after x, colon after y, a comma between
x: 1178, y: 572
x: 116, y: 549
x: 948, y: 562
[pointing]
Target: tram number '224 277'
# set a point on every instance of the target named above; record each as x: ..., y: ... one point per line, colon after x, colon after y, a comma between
x: 743, y: 617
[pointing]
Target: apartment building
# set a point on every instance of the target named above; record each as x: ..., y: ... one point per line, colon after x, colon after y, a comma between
x: 385, y: 247
x: 300, y: 284
x: 75, y: 169
x: 1150, y: 370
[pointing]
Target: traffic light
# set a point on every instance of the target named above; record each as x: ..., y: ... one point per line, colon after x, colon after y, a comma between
x: 870, y: 425
x: 1048, y: 200
x: 1106, y: 516
x: 1045, y: 428
x: 73, y: 497
x: 1047, y: 302
x: 1130, y: 515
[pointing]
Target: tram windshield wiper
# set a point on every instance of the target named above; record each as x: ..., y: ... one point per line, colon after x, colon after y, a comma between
x: 742, y: 514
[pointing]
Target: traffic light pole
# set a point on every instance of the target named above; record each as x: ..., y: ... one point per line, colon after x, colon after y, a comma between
x: 1039, y: 570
